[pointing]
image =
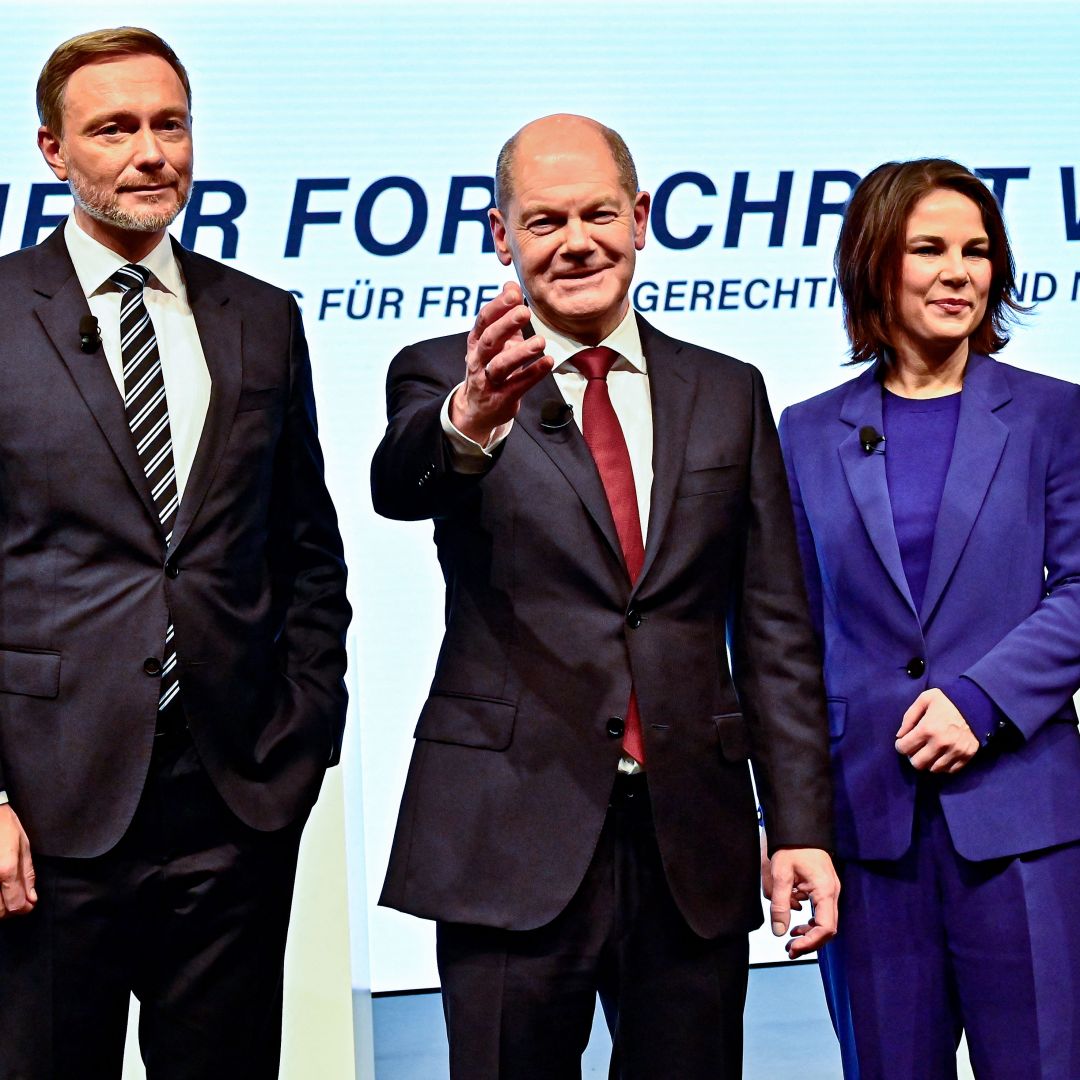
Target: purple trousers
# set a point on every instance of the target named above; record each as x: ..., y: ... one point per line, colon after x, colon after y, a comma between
x: 932, y: 945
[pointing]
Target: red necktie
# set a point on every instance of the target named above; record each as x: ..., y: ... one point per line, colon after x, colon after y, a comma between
x: 604, y: 437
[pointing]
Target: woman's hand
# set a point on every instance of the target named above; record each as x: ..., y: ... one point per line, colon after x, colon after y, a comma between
x: 934, y: 736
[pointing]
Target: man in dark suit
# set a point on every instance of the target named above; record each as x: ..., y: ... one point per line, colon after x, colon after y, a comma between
x: 172, y: 606
x: 611, y: 515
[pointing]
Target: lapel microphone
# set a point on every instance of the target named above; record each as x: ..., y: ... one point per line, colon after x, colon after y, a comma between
x: 89, y: 334
x: 555, y: 414
x: 870, y: 439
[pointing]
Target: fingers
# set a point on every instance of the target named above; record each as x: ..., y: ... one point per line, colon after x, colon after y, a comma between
x: 913, y: 715
x: 780, y: 903
x: 766, y: 867
x: 806, y: 939
x: 498, y: 322
x: 17, y: 893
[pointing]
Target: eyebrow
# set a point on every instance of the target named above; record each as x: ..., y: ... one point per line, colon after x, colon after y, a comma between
x: 107, y: 116
x: 980, y: 239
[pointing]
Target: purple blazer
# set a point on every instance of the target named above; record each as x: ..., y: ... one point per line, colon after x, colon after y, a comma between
x: 1002, y: 607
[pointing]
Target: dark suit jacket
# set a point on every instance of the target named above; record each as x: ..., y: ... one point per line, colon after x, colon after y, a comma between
x: 254, y: 577
x: 1002, y: 607
x: 513, y: 762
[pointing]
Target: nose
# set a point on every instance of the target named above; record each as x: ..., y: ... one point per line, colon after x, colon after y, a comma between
x: 147, y: 150
x: 577, y: 240
x: 954, y: 269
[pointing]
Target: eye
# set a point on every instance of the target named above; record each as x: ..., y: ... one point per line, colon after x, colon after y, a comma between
x: 603, y: 217
x: 109, y: 129
x: 977, y: 253
x: 542, y: 225
x: 924, y: 249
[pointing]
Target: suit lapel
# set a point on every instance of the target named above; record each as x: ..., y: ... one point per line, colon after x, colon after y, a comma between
x: 567, y: 449
x: 220, y: 334
x: 672, y: 392
x: 865, y: 474
x: 63, y: 305
x: 980, y: 442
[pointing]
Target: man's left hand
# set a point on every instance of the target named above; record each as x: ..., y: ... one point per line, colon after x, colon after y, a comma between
x: 934, y: 734
x: 803, y: 874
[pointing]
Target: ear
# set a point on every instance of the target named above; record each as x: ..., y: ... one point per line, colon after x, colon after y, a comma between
x: 52, y: 151
x: 498, y: 234
x: 641, y: 218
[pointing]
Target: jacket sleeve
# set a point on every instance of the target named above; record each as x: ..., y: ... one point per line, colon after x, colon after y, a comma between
x: 412, y: 474
x: 1034, y: 670
x: 775, y: 660
x: 306, y: 559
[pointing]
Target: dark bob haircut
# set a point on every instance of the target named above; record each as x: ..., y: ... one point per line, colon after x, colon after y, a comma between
x: 871, y: 247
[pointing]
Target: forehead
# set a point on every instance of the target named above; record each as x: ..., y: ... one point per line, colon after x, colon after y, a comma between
x: 124, y: 82
x: 564, y: 165
x: 945, y: 209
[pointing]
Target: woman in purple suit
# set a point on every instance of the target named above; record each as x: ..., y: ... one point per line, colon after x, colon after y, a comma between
x: 937, y: 497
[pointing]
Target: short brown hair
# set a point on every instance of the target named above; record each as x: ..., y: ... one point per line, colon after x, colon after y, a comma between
x: 620, y: 153
x: 871, y: 246
x: 92, y: 48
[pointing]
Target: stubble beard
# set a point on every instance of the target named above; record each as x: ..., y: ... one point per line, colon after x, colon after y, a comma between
x: 104, y: 206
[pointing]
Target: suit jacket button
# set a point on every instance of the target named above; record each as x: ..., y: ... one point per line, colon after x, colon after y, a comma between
x: 172, y: 570
x: 152, y: 665
x: 633, y: 618
x: 616, y: 726
x: 916, y: 667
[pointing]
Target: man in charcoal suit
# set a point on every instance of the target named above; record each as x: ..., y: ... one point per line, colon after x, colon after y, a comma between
x: 172, y: 606
x: 610, y: 513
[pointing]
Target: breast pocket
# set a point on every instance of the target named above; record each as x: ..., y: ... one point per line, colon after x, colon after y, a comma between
x: 707, y: 479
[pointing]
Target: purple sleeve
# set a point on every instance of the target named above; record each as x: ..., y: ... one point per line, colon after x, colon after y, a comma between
x: 977, y: 707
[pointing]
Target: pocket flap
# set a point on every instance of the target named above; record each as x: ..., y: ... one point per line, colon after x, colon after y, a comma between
x: 485, y: 723
x: 734, y: 736
x: 36, y: 674
x: 702, y: 480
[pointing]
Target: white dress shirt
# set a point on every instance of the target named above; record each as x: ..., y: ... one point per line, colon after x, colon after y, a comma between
x: 183, y: 364
x: 628, y: 387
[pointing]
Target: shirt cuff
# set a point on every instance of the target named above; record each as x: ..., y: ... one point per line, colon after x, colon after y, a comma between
x: 976, y: 706
x: 3, y: 798
x: 467, y: 455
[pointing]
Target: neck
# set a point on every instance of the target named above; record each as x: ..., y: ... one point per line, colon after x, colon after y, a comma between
x: 925, y: 374
x: 128, y: 244
x: 589, y: 333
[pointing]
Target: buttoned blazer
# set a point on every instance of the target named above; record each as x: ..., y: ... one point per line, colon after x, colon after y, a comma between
x: 253, y: 579
x: 1002, y: 607
x: 517, y: 745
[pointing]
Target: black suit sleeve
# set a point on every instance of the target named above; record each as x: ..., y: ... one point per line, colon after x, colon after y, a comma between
x: 307, y: 562
x: 775, y: 661
x: 412, y: 476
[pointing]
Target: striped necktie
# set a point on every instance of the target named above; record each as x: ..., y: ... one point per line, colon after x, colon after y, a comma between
x: 148, y: 418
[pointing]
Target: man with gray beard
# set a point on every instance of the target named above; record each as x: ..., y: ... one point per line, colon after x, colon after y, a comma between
x: 172, y: 606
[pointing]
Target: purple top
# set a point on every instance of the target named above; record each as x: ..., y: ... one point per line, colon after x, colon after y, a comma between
x: 919, y: 437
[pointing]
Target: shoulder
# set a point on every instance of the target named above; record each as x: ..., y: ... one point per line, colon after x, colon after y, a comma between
x: 661, y: 348
x: 820, y: 409
x: 1025, y: 386
x: 203, y: 274
x: 438, y: 361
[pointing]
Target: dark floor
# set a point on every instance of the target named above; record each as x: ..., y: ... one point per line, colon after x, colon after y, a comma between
x: 787, y: 1032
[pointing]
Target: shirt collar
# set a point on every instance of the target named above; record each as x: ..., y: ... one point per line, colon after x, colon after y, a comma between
x: 625, y: 339
x: 95, y: 263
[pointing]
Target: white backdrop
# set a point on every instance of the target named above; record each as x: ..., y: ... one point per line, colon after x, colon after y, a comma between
x: 343, y: 146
